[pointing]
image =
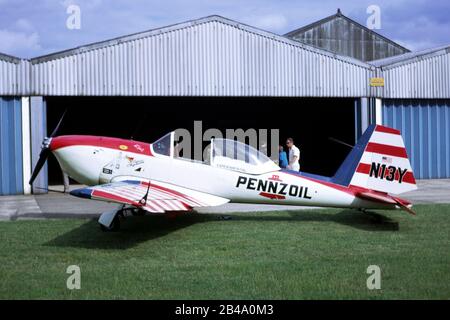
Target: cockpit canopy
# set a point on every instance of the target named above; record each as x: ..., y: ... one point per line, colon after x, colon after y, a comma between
x: 238, y: 156
x: 165, y: 145
x: 222, y: 153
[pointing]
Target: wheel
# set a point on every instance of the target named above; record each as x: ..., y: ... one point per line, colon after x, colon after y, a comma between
x: 115, y: 225
x: 138, y: 212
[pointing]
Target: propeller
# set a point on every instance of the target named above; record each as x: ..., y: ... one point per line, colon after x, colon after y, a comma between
x: 45, y: 152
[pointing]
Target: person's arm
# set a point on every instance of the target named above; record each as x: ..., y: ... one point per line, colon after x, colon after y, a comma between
x: 294, y: 160
x: 295, y: 157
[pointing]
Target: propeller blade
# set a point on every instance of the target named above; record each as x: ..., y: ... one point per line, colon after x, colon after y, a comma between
x: 42, y: 158
x: 55, y: 131
x: 45, y: 152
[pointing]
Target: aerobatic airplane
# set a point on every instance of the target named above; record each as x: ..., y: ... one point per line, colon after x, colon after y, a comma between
x: 150, y: 178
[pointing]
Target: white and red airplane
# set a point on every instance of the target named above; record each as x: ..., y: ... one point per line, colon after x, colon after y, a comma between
x: 150, y: 178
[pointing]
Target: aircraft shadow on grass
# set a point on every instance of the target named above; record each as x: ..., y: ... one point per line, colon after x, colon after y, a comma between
x: 140, y: 229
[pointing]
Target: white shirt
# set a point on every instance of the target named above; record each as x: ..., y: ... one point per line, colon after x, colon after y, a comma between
x: 294, y: 152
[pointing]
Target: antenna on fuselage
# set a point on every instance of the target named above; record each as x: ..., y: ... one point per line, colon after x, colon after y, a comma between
x: 143, y: 201
x: 340, y: 142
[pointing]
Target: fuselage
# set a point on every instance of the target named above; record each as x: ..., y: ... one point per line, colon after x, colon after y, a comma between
x: 93, y: 160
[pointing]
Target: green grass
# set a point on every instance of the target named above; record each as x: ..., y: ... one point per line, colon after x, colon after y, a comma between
x: 311, y: 254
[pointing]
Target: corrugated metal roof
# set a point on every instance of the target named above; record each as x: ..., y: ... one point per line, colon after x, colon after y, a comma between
x: 215, y: 56
x: 411, y: 56
x: 342, y: 35
x: 187, y: 24
x: 211, y: 56
x: 8, y: 58
x: 423, y: 75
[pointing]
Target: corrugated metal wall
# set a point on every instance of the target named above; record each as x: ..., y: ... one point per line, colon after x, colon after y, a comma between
x: 14, y: 76
x: 346, y: 37
x: 211, y: 58
x: 11, y: 174
x: 425, y: 76
x: 8, y: 76
x: 425, y: 127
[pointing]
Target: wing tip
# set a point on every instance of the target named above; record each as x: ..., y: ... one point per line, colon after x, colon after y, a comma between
x: 82, y: 193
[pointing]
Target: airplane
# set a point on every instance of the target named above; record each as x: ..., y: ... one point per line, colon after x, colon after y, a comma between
x: 150, y: 177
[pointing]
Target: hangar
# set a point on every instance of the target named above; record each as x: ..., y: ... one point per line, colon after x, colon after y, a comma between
x: 229, y: 75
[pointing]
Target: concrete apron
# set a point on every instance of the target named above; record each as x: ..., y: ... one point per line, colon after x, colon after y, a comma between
x: 59, y: 205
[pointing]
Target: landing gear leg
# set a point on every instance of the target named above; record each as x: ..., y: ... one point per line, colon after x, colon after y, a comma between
x: 113, y: 227
x: 110, y: 220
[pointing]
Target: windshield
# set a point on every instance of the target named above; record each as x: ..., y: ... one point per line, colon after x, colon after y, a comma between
x: 237, y: 156
x: 164, y: 145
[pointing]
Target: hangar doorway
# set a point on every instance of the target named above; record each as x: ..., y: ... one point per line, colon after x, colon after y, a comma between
x: 310, y: 121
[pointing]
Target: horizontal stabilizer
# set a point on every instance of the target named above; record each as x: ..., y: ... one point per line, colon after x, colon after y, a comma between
x: 385, y: 198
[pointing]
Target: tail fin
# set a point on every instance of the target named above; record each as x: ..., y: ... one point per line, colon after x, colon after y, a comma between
x: 378, y: 162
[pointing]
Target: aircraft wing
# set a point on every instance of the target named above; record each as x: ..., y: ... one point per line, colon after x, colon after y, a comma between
x: 161, y: 197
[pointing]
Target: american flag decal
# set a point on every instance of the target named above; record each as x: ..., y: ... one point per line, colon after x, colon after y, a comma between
x: 386, y: 159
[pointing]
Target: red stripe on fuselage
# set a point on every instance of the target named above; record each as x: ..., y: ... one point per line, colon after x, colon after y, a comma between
x: 272, y: 196
x: 325, y: 183
x: 104, y: 142
x: 351, y: 189
x: 386, y: 150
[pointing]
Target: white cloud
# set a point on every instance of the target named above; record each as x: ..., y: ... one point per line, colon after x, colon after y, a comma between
x: 42, y: 25
x: 18, y: 43
x: 270, y: 22
x: 24, y: 24
x: 90, y: 4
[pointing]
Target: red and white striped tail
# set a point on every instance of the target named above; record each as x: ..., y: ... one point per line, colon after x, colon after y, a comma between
x: 384, y: 165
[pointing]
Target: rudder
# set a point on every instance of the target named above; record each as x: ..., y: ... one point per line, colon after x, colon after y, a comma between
x: 378, y: 161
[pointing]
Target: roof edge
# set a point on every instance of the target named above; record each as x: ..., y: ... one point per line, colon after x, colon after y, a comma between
x: 312, y: 24
x: 408, y: 57
x: 120, y: 39
x: 9, y: 58
x: 143, y: 34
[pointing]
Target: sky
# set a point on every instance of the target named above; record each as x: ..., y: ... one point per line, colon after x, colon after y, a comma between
x: 34, y: 28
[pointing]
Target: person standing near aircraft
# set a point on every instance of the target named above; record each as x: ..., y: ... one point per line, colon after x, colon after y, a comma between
x: 282, y: 157
x: 294, y: 155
